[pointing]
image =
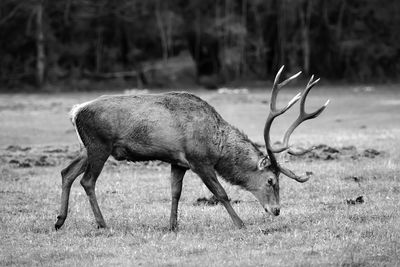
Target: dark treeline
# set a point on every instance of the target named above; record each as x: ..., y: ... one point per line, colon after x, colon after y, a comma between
x: 61, y: 42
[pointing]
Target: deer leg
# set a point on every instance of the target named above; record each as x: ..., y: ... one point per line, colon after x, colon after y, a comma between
x: 69, y: 174
x: 88, y: 182
x: 210, y: 180
x: 177, y: 174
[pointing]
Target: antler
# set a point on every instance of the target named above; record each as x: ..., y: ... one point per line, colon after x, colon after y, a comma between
x: 303, y: 116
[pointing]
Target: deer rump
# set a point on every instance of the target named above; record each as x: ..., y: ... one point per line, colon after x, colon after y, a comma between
x: 172, y: 127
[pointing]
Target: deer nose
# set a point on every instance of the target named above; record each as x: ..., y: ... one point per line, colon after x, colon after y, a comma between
x: 275, y: 211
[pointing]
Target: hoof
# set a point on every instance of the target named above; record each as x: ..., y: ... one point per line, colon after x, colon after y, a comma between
x: 240, y: 225
x: 173, y: 226
x: 101, y: 226
x: 59, y: 223
x: 173, y: 229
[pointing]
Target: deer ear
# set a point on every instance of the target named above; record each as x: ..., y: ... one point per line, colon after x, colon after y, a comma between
x: 262, y: 163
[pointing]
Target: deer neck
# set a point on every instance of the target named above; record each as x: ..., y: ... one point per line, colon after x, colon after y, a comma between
x: 238, y: 163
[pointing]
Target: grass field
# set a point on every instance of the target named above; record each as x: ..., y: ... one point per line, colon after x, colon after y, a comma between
x: 319, y: 224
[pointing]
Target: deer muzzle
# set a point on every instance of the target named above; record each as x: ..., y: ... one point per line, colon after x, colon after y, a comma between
x: 275, y: 210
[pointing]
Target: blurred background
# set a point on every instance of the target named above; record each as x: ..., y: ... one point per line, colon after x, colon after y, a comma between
x: 91, y: 44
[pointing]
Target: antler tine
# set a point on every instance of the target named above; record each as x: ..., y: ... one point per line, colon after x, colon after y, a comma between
x: 289, y: 79
x: 275, y: 89
x: 292, y: 175
x: 278, y: 75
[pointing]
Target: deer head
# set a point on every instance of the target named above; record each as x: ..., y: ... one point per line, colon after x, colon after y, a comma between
x: 268, y: 192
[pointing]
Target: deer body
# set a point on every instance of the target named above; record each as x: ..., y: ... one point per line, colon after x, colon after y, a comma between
x: 177, y: 128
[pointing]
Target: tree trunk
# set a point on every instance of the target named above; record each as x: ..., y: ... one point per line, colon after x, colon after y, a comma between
x: 281, y: 33
x: 305, y: 17
x: 99, y: 49
x: 123, y: 44
x: 163, y: 31
x: 306, y: 49
x: 40, y: 49
x: 243, y: 66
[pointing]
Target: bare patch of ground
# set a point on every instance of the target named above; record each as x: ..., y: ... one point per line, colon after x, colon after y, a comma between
x: 326, y: 152
x: 211, y: 201
x: 38, y: 156
x: 47, y: 156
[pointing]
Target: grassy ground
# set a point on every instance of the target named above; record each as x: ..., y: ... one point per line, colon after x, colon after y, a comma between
x: 316, y: 226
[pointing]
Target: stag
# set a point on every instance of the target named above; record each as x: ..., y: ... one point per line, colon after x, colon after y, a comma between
x: 186, y: 132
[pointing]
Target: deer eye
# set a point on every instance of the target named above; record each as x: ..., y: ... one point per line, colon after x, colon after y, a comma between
x: 270, y: 181
x: 263, y: 163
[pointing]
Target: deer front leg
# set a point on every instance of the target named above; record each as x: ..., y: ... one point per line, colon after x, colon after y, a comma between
x: 177, y: 174
x: 209, y: 178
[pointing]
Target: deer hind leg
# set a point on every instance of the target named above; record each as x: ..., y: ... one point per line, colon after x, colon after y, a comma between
x: 209, y: 178
x: 69, y: 174
x: 177, y: 174
x: 96, y: 160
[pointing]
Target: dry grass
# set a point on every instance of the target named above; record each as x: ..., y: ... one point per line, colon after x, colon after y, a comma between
x: 316, y: 227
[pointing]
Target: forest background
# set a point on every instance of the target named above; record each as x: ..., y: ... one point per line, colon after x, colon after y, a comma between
x: 90, y: 44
